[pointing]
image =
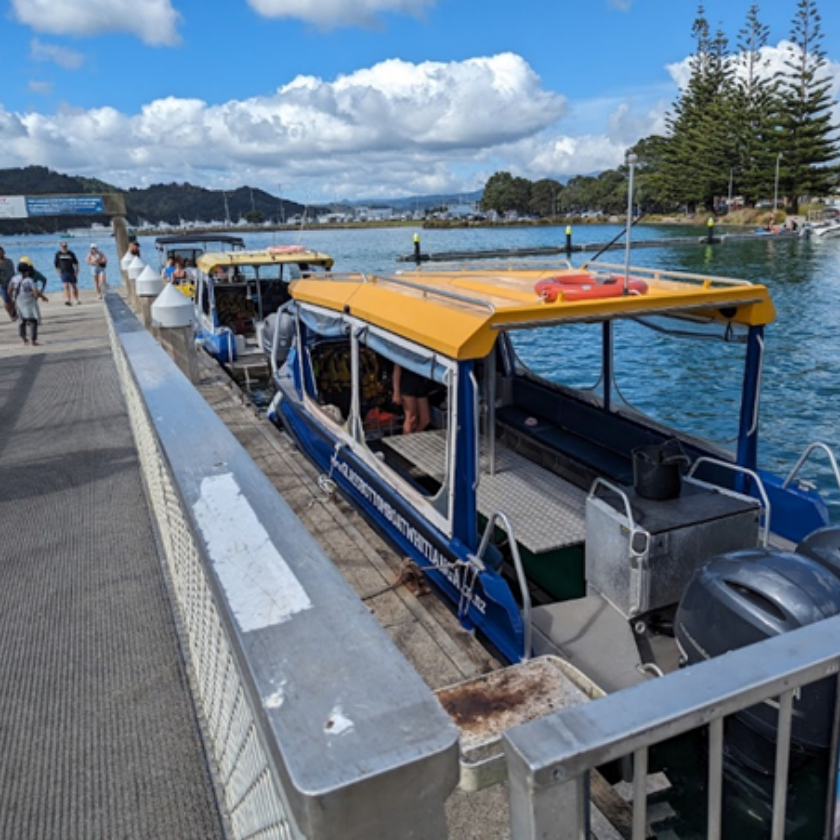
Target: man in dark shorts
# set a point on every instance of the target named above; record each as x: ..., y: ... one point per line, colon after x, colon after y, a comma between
x: 411, y: 391
x: 67, y: 269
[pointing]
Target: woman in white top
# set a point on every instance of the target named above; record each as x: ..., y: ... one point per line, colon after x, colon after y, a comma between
x: 97, y: 262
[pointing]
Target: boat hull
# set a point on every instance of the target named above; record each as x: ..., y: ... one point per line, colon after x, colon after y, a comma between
x: 482, y: 600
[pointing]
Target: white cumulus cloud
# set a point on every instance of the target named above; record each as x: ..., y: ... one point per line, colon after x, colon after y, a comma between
x: 155, y: 22
x: 395, y: 128
x: 406, y: 127
x: 772, y: 61
x: 328, y: 14
x: 63, y: 57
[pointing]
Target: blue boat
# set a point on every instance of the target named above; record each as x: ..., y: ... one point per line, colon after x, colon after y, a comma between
x: 555, y: 517
x: 236, y: 291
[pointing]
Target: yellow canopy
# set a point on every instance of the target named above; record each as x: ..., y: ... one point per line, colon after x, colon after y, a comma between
x: 459, y: 312
x: 267, y: 256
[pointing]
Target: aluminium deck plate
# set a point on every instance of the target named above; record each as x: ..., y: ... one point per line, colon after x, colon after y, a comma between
x: 546, y: 511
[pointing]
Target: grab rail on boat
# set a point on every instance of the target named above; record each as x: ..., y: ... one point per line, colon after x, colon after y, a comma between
x: 430, y: 290
x: 658, y: 274
x: 639, y: 567
x: 705, y: 459
x: 488, y: 264
x: 807, y: 454
x: 520, y: 572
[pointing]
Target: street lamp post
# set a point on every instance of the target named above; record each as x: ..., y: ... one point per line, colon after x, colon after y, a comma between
x: 776, y: 185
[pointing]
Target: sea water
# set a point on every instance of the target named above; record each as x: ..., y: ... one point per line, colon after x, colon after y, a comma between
x: 801, y: 376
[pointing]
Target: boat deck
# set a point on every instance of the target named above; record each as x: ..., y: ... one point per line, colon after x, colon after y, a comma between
x: 546, y: 511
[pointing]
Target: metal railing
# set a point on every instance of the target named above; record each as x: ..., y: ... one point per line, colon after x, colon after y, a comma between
x: 549, y: 760
x: 317, y: 725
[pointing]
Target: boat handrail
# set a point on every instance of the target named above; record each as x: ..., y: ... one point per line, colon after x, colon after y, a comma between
x: 520, y: 572
x: 705, y: 459
x: 478, y: 263
x: 708, y: 281
x: 639, y: 568
x: 434, y: 290
x: 807, y: 454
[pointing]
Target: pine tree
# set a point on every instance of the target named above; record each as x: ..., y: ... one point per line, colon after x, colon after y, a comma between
x: 753, y: 107
x: 701, y: 146
x: 807, y: 137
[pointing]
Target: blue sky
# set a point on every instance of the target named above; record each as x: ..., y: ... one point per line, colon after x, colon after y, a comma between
x: 328, y: 99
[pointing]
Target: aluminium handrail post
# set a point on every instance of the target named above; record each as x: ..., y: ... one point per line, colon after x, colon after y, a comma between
x: 705, y: 459
x: 807, y: 454
x: 638, y: 556
x: 520, y: 573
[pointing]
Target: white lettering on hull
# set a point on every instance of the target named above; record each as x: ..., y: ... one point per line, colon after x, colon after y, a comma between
x: 400, y: 524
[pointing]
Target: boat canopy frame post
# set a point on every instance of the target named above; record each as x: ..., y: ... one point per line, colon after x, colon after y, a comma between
x: 260, y: 313
x: 607, y: 362
x: 466, y: 442
x: 490, y: 412
x: 747, y: 451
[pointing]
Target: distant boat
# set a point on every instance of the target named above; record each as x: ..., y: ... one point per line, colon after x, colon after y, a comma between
x: 825, y: 230
x: 95, y: 231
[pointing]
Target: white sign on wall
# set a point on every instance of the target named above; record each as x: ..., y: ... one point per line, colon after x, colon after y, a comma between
x: 13, y: 207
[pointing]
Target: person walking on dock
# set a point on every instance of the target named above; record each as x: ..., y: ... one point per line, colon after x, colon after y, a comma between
x: 7, y: 271
x: 67, y: 268
x: 97, y: 262
x: 25, y: 293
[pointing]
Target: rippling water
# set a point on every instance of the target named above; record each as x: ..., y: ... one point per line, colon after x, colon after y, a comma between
x: 801, y: 389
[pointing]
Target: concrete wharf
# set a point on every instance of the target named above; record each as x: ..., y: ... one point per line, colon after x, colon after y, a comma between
x: 100, y: 734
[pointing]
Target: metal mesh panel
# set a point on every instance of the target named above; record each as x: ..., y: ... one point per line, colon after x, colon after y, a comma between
x: 255, y: 805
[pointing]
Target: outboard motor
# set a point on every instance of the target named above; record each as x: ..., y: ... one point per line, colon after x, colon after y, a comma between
x: 747, y: 596
x: 823, y: 547
x: 268, y: 330
x: 284, y: 335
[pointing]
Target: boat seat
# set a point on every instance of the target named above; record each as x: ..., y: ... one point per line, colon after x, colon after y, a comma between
x: 599, y: 459
x: 599, y: 440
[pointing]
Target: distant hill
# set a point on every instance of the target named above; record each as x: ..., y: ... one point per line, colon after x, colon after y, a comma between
x: 176, y: 203
x: 170, y: 203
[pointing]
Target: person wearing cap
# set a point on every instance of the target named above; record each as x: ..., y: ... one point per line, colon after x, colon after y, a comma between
x: 25, y: 293
x: 36, y: 275
x: 97, y: 262
x: 7, y: 271
x: 67, y: 268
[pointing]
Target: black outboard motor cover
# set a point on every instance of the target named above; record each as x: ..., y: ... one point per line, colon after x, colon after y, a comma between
x: 823, y: 546
x: 747, y: 596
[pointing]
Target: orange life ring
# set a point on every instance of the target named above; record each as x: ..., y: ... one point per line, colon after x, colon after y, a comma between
x: 285, y: 249
x: 575, y: 287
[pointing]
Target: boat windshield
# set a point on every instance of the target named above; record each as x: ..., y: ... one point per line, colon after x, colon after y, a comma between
x: 675, y: 377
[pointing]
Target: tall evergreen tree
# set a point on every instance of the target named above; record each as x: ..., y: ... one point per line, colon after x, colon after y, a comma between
x: 807, y: 137
x: 753, y: 107
x: 700, y: 148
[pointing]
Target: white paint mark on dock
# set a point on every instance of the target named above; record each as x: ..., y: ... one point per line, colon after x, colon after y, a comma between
x: 337, y: 723
x: 275, y: 699
x: 261, y: 588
